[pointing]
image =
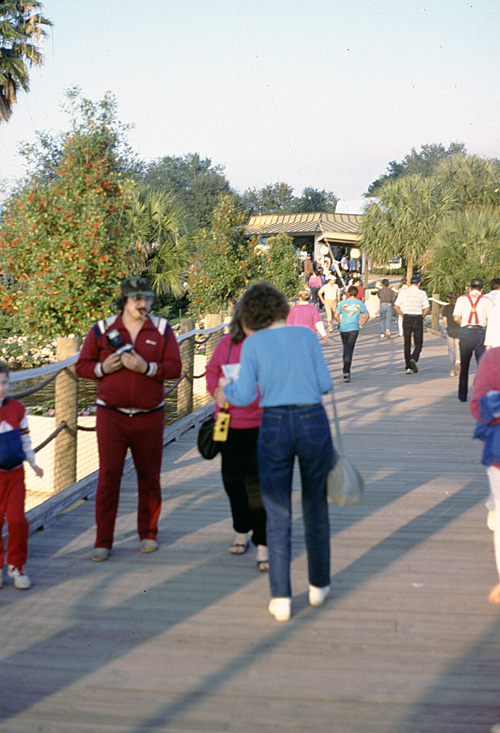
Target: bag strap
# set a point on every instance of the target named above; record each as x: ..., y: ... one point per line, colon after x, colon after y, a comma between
x: 339, y: 442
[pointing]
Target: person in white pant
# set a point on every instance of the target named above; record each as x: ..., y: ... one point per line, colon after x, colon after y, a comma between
x: 485, y: 407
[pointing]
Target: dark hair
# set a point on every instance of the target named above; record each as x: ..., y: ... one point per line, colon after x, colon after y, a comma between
x: 452, y: 296
x: 261, y: 305
x: 4, y: 369
x: 385, y: 282
x: 352, y: 290
x: 235, y: 329
x: 495, y: 283
x: 356, y: 280
x: 120, y: 302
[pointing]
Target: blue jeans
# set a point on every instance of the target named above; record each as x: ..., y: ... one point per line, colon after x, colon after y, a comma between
x: 385, y: 317
x: 286, y: 432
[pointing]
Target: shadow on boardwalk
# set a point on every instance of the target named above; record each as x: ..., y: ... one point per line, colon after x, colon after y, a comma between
x: 181, y: 640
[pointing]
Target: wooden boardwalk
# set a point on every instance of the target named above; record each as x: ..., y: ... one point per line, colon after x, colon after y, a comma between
x: 181, y: 640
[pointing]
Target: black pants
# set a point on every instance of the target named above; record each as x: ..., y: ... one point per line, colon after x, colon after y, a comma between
x: 240, y: 476
x: 349, y: 341
x: 413, y: 326
x: 471, y: 342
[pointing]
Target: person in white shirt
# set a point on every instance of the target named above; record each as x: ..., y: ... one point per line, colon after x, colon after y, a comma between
x: 329, y: 296
x: 413, y: 304
x: 472, y: 312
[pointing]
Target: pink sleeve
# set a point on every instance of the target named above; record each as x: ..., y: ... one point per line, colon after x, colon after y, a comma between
x: 486, y: 380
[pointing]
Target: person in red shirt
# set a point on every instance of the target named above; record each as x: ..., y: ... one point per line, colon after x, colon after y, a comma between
x: 484, y: 406
x: 240, y: 473
x: 357, y: 284
x: 15, y: 447
x: 131, y: 355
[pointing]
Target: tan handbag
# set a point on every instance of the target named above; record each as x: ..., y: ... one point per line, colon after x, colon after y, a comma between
x: 345, y: 483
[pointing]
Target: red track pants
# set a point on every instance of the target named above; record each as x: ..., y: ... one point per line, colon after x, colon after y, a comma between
x: 12, y: 494
x: 143, y: 434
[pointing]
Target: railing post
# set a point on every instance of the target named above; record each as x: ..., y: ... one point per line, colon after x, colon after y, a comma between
x: 435, y: 313
x: 66, y: 410
x: 185, y: 388
x: 211, y: 320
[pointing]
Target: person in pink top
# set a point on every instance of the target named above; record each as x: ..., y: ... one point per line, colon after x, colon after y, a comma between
x: 240, y: 473
x: 305, y: 314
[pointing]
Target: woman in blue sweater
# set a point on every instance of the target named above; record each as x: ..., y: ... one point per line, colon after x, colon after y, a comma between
x: 288, y: 365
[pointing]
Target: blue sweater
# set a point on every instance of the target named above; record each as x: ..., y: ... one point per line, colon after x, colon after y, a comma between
x: 288, y: 365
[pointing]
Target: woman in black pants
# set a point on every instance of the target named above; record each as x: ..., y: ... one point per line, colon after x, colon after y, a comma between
x: 240, y: 474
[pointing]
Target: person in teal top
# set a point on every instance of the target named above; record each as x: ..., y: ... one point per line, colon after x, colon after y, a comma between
x: 288, y: 365
x: 348, y: 314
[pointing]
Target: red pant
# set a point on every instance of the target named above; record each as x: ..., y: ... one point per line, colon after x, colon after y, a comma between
x: 143, y: 434
x: 12, y: 494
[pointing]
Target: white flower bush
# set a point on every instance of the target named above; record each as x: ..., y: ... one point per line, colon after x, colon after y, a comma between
x: 20, y: 353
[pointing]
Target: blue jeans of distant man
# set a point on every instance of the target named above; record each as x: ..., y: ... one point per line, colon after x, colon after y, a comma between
x: 286, y: 432
x: 385, y: 317
x: 348, y: 341
x: 471, y: 342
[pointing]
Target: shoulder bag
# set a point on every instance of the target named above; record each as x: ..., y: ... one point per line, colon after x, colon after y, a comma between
x: 344, y: 484
x: 213, y: 432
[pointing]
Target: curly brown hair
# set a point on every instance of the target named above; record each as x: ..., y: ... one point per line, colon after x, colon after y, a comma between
x: 261, y: 305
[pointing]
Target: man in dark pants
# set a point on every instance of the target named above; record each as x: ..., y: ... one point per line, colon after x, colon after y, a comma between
x: 413, y: 304
x: 130, y: 354
x: 471, y: 312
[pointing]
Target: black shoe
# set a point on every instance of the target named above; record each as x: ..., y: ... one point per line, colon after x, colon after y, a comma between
x: 347, y: 377
x: 413, y: 366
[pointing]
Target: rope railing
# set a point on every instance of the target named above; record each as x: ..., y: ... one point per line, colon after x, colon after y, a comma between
x: 51, y: 437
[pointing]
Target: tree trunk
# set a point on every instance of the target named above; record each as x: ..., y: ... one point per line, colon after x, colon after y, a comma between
x: 409, y: 269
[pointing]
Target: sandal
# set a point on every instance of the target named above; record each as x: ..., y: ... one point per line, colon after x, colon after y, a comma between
x: 263, y: 566
x: 239, y: 548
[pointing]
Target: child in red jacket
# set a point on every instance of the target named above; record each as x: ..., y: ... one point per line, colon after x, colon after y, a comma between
x: 15, y: 447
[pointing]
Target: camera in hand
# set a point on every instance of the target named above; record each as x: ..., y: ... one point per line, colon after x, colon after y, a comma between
x: 116, y: 342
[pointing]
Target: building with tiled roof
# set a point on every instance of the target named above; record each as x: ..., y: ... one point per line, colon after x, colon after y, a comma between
x: 310, y: 231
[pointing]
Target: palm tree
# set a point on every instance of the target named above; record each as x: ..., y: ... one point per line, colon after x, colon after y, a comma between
x: 467, y: 245
x: 21, y: 31
x: 403, y: 223
x: 156, y: 222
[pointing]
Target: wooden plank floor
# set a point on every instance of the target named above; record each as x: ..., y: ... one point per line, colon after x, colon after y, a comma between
x: 181, y: 640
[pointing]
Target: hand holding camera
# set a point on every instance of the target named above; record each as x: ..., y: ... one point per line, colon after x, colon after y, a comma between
x: 123, y: 355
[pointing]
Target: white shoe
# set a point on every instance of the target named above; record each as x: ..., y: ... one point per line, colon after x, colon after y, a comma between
x: 21, y: 580
x: 317, y: 596
x: 100, y: 554
x: 491, y: 521
x: 149, y: 545
x: 281, y: 608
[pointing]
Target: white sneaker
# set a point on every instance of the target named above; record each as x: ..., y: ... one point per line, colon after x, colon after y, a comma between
x: 149, y: 545
x: 317, y: 596
x: 491, y: 521
x: 281, y: 608
x: 100, y: 554
x: 21, y: 580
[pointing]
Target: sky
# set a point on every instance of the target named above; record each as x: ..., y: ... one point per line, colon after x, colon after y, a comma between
x: 312, y: 93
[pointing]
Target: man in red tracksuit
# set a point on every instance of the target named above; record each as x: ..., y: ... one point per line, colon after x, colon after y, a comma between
x: 131, y: 355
